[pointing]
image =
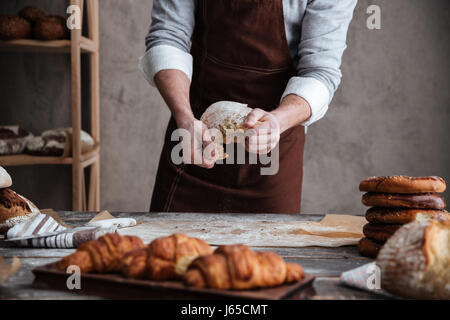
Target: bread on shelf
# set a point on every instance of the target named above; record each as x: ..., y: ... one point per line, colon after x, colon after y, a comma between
x: 13, y: 139
x: 58, y: 143
x: 14, y: 27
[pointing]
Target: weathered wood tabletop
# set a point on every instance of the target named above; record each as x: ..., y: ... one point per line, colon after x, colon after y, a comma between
x: 325, y: 263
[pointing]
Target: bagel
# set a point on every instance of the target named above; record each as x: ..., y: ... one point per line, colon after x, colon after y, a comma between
x: 369, y: 248
x: 403, y: 184
x: 417, y: 201
x: 403, y: 216
x: 380, y: 232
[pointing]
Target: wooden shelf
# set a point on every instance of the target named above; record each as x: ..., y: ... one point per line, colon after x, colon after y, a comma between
x: 30, y: 45
x: 77, y: 45
x: 27, y: 160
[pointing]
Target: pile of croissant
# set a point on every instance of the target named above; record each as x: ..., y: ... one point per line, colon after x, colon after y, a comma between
x: 179, y: 257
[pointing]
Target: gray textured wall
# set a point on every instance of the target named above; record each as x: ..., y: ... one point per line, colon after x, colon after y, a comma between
x: 389, y: 116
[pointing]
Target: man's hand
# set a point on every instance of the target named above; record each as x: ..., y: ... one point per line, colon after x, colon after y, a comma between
x: 199, y: 149
x: 264, y: 132
x: 174, y: 87
x: 266, y: 127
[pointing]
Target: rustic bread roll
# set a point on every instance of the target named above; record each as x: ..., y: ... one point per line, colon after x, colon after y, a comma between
x: 51, y: 143
x: 380, y: 232
x: 13, y: 139
x: 403, y: 184
x: 417, y: 201
x: 58, y: 143
x: 228, y: 117
x: 87, y: 142
x: 51, y: 28
x: 14, y: 209
x: 5, y: 179
x: 403, y: 216
x: 14, y: 27
x: 415, y: 262
x: 33, y: 14
x: 369, y: 248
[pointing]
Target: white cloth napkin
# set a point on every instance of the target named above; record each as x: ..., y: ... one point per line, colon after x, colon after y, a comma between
x: 367, y: 278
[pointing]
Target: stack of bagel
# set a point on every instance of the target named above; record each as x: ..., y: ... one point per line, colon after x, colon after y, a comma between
x: 395, y: 201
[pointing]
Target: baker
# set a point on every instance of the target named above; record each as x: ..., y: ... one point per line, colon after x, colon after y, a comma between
x: 281, y: 57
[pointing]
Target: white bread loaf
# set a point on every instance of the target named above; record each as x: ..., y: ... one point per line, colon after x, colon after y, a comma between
x: 415, y: 261
x: 5, y: 179
x: 228, y: 117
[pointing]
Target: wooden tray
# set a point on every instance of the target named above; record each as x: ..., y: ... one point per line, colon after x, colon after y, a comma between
x: 115, y: 286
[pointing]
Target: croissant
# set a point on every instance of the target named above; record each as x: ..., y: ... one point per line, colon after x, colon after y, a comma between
x: 102, y: 255
x: 165, y: 258
x: 237, y: 267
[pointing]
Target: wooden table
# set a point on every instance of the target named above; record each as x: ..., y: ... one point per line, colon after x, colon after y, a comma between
x: 325, y: 263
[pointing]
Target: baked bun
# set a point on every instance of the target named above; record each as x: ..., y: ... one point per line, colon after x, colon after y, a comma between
x: 380, y: 232
x: 51, y: 143
x: 417, y: 201
x: 51, y: 28
x: 14, y: 209
x: 5, y: 179
x: 14, y: 27
x: 58, y: 143
x: 33, y: 14
x: 415, y: 261
x: 369, y: 248
x: 13, y: 139
x: 403, y: 184
x: 403, y: 216
x: 228, y: 117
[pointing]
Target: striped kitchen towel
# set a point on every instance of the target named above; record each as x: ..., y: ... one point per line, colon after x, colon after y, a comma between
x: 43, y: 231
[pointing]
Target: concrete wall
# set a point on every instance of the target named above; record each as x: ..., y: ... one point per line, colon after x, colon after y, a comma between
x: 389, y: 116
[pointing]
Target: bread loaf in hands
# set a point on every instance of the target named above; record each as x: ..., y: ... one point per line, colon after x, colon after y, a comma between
x: 103, y: 255
x: 238, y: 267
x: 165, y: 258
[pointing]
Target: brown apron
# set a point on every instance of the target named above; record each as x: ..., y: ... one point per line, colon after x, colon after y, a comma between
x: 240, y: 54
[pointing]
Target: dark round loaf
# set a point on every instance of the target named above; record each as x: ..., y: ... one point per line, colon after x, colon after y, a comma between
x: 380, y: 232
x: 32, y: 14
x: 403, y: 216
x: 369, y: 248
x: 14, y: 27
x: 403, y: 184
x: 52, y: 28
x: 416, y: 201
